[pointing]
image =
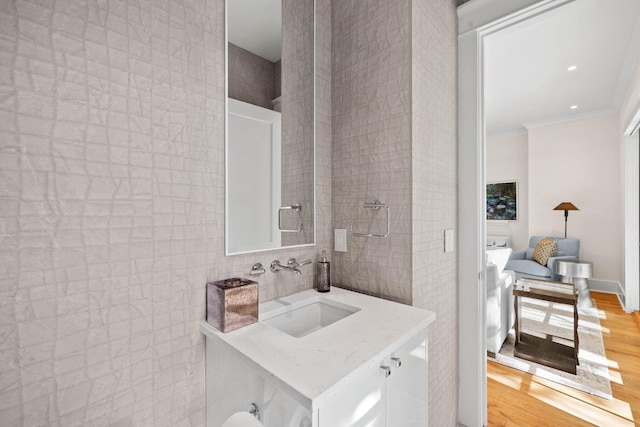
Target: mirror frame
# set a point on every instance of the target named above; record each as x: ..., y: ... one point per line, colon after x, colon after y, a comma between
x: 226, y: 140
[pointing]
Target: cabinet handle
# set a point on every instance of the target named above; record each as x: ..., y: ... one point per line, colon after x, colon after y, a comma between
x: 386, y: 370
x: 396, y: 362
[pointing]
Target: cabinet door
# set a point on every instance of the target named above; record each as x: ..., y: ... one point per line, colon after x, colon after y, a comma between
x: 377, y: 398
x: 361, y: 405
x: 407, y: 384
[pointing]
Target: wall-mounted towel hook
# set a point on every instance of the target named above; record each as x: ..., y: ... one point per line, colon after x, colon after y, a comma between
x: 375, y: 206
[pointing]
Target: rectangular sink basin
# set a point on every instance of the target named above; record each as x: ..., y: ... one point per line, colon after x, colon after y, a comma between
x: 309, y: 316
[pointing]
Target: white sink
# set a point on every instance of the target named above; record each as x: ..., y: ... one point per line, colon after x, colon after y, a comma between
x: 307, y: 316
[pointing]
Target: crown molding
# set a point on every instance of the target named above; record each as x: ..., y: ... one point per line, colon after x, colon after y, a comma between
x: 570, y: 118
x: 508, y: 133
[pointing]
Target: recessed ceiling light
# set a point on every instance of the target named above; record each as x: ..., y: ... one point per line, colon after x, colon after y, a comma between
x: 572, y: 68
x: 573, y: 107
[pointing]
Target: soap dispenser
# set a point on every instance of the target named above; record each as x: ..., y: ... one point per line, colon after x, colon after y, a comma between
x: 323, y: 276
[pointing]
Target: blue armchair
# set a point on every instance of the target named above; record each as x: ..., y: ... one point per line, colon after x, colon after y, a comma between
x: 524, y: 266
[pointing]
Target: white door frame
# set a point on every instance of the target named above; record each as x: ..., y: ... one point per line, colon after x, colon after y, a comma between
x: 631, y: 225
x: 476, y: 20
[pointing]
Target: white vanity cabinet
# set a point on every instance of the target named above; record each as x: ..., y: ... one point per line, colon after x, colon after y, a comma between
x: 340, y: 359
x: 391, y: 393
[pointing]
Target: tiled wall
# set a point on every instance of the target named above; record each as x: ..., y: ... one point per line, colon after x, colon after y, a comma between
x: 297, y: 119
x: 252, y: 79
x: 372, y: 144
x: 435, y: 195
x: 112, y: 207
x: 395, y: 139
x: 112, y: 195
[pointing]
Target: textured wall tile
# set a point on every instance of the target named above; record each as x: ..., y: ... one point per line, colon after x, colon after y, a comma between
x: 371, y: 144
x: 112, y: 213
x: 434, y: 199
x: 113, y: 210
x: 252, y: 79
x: 394, y: 130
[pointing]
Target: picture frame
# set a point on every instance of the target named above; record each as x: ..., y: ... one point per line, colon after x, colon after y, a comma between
x: 502, y: 201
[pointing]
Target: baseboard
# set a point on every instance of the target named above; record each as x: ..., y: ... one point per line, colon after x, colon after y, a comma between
x: 608, y: 287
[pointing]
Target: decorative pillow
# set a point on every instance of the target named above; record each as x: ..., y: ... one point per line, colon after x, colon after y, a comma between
x: 544, y: 249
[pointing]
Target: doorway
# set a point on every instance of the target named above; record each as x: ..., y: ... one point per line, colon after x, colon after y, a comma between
x: 477, y: 20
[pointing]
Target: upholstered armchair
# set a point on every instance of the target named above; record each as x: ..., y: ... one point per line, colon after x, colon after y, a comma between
x: 500, y: 314
x: 524, y: 266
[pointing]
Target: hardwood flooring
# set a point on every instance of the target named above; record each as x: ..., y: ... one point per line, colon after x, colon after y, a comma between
x: 516, y: 398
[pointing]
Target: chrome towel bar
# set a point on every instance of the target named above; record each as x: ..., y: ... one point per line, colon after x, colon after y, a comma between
x: 296, y: 208
x: 375, y: 206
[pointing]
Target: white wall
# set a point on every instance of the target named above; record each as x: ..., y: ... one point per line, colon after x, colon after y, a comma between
x: 578, y: 162
x: 507, y: 160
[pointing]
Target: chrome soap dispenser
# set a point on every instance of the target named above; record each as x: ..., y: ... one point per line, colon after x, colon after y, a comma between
x: 323, y: 276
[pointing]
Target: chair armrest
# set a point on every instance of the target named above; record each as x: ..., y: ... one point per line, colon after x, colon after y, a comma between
x: 492, y: 277
x: 517, y: 255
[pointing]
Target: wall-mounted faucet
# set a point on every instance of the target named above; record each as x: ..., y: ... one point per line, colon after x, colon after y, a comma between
x: 292, y: 265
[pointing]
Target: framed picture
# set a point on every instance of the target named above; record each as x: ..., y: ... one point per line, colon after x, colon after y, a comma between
x: 502, y: 201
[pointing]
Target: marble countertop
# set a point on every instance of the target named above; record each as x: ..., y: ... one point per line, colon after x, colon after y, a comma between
x: 313, y: 367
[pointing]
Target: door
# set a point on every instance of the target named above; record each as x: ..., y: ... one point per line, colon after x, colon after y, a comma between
x: 406, y: 404
x: 391, y: 393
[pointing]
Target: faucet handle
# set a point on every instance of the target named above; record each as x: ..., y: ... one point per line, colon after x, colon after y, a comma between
x: 274, y: 265
x: 305, y: 262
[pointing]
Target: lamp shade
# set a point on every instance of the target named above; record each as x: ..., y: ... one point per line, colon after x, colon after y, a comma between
x: 566, y: 206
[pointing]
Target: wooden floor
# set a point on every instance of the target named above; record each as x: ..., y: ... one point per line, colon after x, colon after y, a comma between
x: 516, y: 398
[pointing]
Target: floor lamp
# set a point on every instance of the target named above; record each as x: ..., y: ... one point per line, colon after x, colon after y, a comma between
x: 566, y: 207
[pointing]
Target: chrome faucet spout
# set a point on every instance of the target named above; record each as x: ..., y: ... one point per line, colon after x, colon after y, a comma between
x: 293, y: 263
x: 276, y: 266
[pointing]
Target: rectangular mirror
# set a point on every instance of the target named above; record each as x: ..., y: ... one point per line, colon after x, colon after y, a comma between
x: 270, y: 126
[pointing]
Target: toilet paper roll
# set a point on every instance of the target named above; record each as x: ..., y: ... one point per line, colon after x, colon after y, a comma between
x: 242, y: 419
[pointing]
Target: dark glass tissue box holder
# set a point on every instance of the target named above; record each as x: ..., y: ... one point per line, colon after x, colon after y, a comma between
x: 232, y: 303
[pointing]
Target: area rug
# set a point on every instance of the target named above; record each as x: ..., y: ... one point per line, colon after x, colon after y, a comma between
x: 592, y: 374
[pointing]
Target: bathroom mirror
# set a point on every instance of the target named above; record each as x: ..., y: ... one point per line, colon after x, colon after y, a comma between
x: 270, y: 126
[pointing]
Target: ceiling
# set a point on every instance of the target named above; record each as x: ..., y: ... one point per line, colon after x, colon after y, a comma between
x: 256, y: 26
x: 527, y: 78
